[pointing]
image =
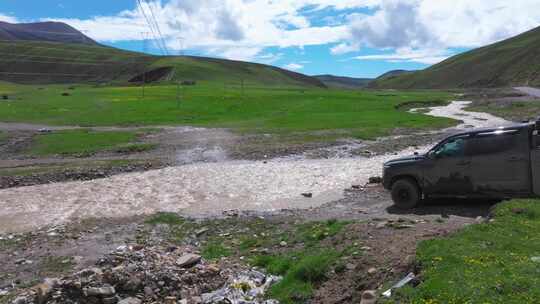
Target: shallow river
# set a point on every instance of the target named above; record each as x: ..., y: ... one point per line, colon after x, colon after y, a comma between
x: 204, y: 189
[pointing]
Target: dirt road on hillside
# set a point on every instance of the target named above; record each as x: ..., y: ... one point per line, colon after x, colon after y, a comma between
x: 205, y: 189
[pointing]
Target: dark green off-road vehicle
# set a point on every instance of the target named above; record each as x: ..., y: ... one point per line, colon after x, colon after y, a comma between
x: 481, y: 163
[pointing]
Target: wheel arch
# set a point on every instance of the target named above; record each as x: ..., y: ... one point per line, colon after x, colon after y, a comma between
x: 411, y: 177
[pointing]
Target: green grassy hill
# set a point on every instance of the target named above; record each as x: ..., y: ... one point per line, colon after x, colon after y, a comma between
x: 515, y: 61
x: 53, y: 62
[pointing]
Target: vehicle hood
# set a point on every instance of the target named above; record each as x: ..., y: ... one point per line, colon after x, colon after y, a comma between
x: 406, y: 159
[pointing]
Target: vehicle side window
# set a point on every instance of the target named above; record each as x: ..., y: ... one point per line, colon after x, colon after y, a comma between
x: 452, y: 148
x: 492, y: 143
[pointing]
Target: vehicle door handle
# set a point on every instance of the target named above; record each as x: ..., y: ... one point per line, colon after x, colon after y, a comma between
x: 464, y: 163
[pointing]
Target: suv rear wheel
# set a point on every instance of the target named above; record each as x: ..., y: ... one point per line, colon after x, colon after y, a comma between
x: 405, y: 193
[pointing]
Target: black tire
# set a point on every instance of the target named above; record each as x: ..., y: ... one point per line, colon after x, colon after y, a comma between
x: 405, y: 193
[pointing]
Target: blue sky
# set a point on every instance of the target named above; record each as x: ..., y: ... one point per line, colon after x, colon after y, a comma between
x: 358, y: 38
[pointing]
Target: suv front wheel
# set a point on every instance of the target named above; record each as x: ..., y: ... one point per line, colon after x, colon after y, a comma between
x: 405, y: 193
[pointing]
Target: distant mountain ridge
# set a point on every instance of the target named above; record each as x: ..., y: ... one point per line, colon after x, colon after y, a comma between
x: 43, y: 31
x: 343, y: 82
x: 512, y: 62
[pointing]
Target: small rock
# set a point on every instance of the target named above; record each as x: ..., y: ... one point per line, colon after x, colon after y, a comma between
x: 111, y: 300
x: 213, y: 268
x: 283, y: 244
x: 308, y: 195
x: 381, y: 225
x: 536, y: 259
x: 372, y: 270
x: 188, y: 260
x: 170, y: 300
x: 183, y: 301
x: 21, y: 300
x: 350, y: 266
x: 375, y: 180
x: 107, y: 291
x: 130, y: 301
x: 201, y: 231
x: 368, y: 297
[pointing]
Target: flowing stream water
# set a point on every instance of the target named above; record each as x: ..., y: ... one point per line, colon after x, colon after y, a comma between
x: 206, y: 189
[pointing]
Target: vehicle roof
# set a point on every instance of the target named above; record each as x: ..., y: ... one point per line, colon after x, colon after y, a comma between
x: 493, y: 129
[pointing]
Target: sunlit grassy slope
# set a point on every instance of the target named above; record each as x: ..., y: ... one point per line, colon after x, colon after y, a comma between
x: 515, y: 61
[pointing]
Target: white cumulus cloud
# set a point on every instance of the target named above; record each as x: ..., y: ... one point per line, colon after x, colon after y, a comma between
x: 293, y: 66
x: 243, y: 29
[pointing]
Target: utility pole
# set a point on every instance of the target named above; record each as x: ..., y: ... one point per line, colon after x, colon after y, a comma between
x: 144, y: 50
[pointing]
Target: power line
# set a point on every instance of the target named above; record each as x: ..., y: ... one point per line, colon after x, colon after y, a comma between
x: 63, y: 62
x: 50, y: 74
x: 65, y: 49
x: 141, y: 7
x: 156, y: 24
x: 64, y: 58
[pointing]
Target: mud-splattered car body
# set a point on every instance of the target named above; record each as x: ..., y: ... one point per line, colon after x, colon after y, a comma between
x: 494, y: 163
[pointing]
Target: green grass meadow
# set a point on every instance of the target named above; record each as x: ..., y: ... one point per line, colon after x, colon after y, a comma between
x: 494, y: 262
x: 362, y: 114
x: 81, y: 142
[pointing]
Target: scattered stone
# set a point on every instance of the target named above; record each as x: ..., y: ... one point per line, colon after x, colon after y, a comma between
x: 308, y: 195
x: 283, y: 244
x: 170, y: 300
x: 106, y: 291
x: 130, y: 301
x: 111, y: 300
x: 368, y: 297
x: 20, y: 300
x: 188, y: 260
x: 372, y: 271
x: 350, y: 266
x: 201, y: 231
x: 375, y: 180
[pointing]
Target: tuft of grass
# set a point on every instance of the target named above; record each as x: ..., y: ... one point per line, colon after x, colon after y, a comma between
x: 78, y: 142
x: 166, y: 218
x: 314, y: 232
x: 135, y: 148
x: 215, y: 251
x: 301, y: 274
x: 55, y: 265
x: 495, y: 262
x: 274, y: 264
x: 3, y: 137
